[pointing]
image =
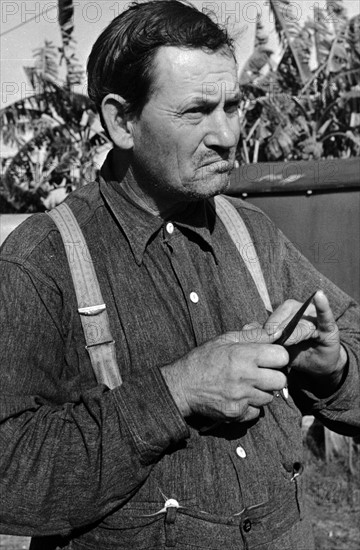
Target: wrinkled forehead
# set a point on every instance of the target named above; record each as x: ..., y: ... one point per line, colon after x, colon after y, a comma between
x: 183, y: 72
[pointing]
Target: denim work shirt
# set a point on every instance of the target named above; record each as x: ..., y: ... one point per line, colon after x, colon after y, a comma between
x: 85, y: 467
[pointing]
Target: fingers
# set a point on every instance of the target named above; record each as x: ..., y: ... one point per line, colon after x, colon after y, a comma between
x: 272, y: 356
x: 232, y: 376
x: 317, y: 322
x: 249, y: 410
x: 250, y: 326
x: 284, y: 313
x: 252, y: 333
x: 246, y: 414
x: 305, y: 329
x: 258, y: 350
x: 251, y: 414
x: 270, y: 381
x: 245, y: 409
x: 325, y: 317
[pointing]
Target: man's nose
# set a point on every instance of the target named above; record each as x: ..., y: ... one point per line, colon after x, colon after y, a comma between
x: 223, y: 131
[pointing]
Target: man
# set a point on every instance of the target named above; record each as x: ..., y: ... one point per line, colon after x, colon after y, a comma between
x: 147, y: 464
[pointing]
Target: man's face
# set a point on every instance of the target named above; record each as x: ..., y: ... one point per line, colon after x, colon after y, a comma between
x: 185, y: 138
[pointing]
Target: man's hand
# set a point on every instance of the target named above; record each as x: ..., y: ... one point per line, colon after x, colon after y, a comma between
x: 315, y: 347
x: 230, y: 377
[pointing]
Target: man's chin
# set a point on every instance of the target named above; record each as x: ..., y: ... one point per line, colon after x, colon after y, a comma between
x: 215, y: 185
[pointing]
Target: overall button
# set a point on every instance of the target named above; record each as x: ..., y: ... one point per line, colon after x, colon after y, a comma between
x: 170, y: 228
x: 171, y: 502
x: 194, y: 297
x: 240, y: 451
x: 298, y: 469
x: 247, y: 526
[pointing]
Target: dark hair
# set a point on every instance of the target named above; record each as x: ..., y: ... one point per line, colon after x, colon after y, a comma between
x: 121, y: 60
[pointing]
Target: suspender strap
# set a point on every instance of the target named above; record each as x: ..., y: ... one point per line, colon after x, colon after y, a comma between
x: 94, y: 318
x: 240, y: 236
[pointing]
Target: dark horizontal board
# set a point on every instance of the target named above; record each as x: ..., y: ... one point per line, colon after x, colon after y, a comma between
x: 295, y: 177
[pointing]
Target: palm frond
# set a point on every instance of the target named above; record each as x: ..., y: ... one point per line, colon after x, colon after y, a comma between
x: 287, y: 27
x: 337, y: 15
x: 46, y: 62
x: 323, y: 35
x: 47, y: 160
x: 354, y: 39
x: 54, y: 106
x: 74, y: 70
x: 255, y: 67
x: 261, y: 36
x: 66, y: 20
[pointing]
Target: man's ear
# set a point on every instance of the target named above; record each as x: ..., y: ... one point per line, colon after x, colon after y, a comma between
x: 113, y: 108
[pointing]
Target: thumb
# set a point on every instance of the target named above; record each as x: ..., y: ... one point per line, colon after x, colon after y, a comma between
x: 324, y: 316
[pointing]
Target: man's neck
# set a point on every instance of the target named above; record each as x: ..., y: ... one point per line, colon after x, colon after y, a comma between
x: 134, y: 194
x: 122, y: 172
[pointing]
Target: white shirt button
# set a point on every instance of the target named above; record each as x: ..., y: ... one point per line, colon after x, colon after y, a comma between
x: 171, y: 503
x: 240, y: 451
x: 194, y: 297
x: 170, y: 228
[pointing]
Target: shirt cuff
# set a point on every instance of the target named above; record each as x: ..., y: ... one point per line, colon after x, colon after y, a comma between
x: 150, y: 413
x: 343, y: 406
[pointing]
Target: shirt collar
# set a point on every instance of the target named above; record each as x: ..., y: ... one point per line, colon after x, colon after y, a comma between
x: 140, y: 225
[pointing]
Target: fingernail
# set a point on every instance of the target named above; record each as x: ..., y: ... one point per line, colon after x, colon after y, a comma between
x: 277, y: 334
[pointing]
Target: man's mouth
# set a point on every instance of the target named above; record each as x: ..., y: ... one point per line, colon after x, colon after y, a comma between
x: 218, y: 166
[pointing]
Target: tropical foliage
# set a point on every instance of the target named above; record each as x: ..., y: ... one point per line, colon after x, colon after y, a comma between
x: 306, y: 105
x: 55, y: 132
x: 303, y: 105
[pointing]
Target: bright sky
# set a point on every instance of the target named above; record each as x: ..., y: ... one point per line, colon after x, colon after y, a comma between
x: 93, y: 16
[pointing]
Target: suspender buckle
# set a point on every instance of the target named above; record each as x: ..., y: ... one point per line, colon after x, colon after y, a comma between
x: 92, y: 310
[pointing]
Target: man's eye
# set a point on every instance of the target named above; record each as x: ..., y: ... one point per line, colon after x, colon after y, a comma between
x: 232, y: 107
x: 198, y: 110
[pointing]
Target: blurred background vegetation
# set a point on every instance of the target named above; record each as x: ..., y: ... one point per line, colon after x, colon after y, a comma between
x: 291, y: 111
x: 305, y: 105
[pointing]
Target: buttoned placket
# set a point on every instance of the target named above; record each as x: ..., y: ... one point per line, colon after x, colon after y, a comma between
x: 243, y: 452
x: 188, y: 278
